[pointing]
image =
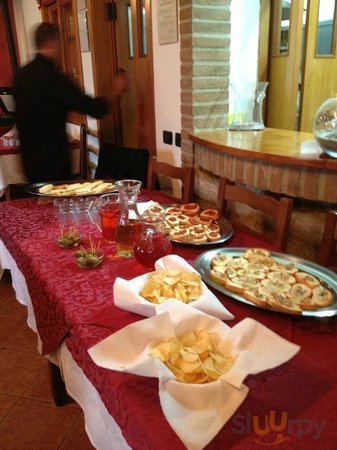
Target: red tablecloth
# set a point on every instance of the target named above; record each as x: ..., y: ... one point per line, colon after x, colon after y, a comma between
x: 75, y: 305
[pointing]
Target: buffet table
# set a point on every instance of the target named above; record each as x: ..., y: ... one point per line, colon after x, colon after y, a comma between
x: 279, y: 161
x: 73, y: 309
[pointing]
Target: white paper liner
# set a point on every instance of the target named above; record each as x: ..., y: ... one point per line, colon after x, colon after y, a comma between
x: 126, y: 293
x: 196, y: 412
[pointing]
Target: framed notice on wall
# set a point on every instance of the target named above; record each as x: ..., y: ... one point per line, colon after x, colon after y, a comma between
x: 167, y: 21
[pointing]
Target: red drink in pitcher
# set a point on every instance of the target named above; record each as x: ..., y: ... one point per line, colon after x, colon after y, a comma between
x: 147, y: 251
x: 110, y: 216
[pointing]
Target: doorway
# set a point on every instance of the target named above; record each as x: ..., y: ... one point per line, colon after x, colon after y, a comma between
x: 302, y: 61
x: 131, y: 33
x: 120, y: 34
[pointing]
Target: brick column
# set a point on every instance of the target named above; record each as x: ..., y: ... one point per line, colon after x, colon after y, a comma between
x: 205, y: 59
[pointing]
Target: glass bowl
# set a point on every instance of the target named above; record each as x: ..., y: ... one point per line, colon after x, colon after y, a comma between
x: 88, y: 259
x: 325, y: 127
x: 69, y: 240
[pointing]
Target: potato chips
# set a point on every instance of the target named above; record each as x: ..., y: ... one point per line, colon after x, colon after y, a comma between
x: 162, y: 285
x: 193, y: 357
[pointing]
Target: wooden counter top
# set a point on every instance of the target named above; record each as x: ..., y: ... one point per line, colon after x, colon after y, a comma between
x: 269, y: 145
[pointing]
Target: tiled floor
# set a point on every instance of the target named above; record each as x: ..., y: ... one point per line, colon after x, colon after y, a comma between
x: 28, y: 418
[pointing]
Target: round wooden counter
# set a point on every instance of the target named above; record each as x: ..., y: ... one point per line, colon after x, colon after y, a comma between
x: 279, y: 161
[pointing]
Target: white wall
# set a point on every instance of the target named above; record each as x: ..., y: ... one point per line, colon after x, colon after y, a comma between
x: 244, y: 51
x: 27, y: 16
x: 166, y: 63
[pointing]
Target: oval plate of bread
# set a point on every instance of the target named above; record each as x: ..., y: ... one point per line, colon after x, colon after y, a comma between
x: 189, y: 224
x: 269, y: 280
x: 81, y: 188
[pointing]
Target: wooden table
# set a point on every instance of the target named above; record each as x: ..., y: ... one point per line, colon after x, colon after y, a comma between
x: 279, y: 161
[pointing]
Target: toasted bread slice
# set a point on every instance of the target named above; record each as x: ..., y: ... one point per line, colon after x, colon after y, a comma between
x: 238, y: 263
x: 300, y: 291
x: 281, y: 276
x: 289, y: 268
x: 219, y: 277
x: 282, y: 302
x: 276, y: 285
x: 221, y: 259
x: 306, y: 278
x: 322, y: 297
x: 256, y: 252
x: 252, y: 272
x: 46, y: 188
x: 256, y: 297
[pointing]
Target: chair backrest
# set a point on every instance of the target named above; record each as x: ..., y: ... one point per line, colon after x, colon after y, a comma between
x: 89, y: 151
x: 186, y: 175
x: 278, y: 210
x: 327, y: 250
x: 116, y: 162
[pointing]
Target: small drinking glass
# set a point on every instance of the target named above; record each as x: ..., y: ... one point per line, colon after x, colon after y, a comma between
x: 82, y: 206
x: 66, y: 212
x: 109, y: 211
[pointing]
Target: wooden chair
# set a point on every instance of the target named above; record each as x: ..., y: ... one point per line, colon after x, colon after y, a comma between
x: 186, y: 175
x: 279, y: 210
x: 88, y: 152
x: 327, y: 250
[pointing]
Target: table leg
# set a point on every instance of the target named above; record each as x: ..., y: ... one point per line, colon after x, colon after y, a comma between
x: 57, y: 386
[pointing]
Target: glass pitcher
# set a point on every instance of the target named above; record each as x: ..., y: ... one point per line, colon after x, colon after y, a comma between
x: 152, y: 243
x: 248, y: 102
x: 129, y: 227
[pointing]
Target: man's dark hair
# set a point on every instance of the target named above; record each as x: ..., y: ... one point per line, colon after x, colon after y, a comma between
x: 46, y: 32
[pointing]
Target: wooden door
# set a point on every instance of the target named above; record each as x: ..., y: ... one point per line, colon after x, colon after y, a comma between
x: 133, y: 37
x: 320, y: 60
x: 125, y: 52
x: 284, y: 64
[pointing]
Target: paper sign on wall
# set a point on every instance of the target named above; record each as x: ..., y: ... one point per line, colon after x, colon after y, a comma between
x: 167, y: 21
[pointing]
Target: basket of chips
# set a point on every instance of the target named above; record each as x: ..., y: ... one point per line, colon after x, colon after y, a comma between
x: 200, y: 362
x: 174, y: 279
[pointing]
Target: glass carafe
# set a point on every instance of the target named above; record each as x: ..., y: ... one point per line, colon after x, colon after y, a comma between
x: 152, y: 243
x: 129, y: 227
x: 248, y: 102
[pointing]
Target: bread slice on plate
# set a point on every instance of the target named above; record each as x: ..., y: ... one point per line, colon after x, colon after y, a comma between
x: 256, y: 297
x: 307, y: 278
x: 282, y: 302
x: 322, y: 297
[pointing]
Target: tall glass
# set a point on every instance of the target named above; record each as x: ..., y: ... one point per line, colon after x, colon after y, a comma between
x: 109, y: 213
x: 129, y: 227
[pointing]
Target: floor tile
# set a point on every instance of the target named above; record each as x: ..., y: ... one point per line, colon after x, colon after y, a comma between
x: 77, y: 438
x: 11, y: 306
x: 40, y: 389
x: 18, y: 370
x: 35, y: 425
x: 6, y: 291
x: 9, y: 326
x: 24, y: 340
x: 6, y: 403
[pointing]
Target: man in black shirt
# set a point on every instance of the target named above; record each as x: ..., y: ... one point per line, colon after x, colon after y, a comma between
x: 43, y: 96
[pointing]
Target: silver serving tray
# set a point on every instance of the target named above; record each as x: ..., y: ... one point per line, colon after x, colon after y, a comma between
x: 226, y: 231
x: 34, y: 189
x: 327, y: 278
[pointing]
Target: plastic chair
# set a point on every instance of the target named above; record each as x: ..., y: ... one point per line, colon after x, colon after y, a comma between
x: 279, y: 210
x: 186, y: 175
x: 327, y: 250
